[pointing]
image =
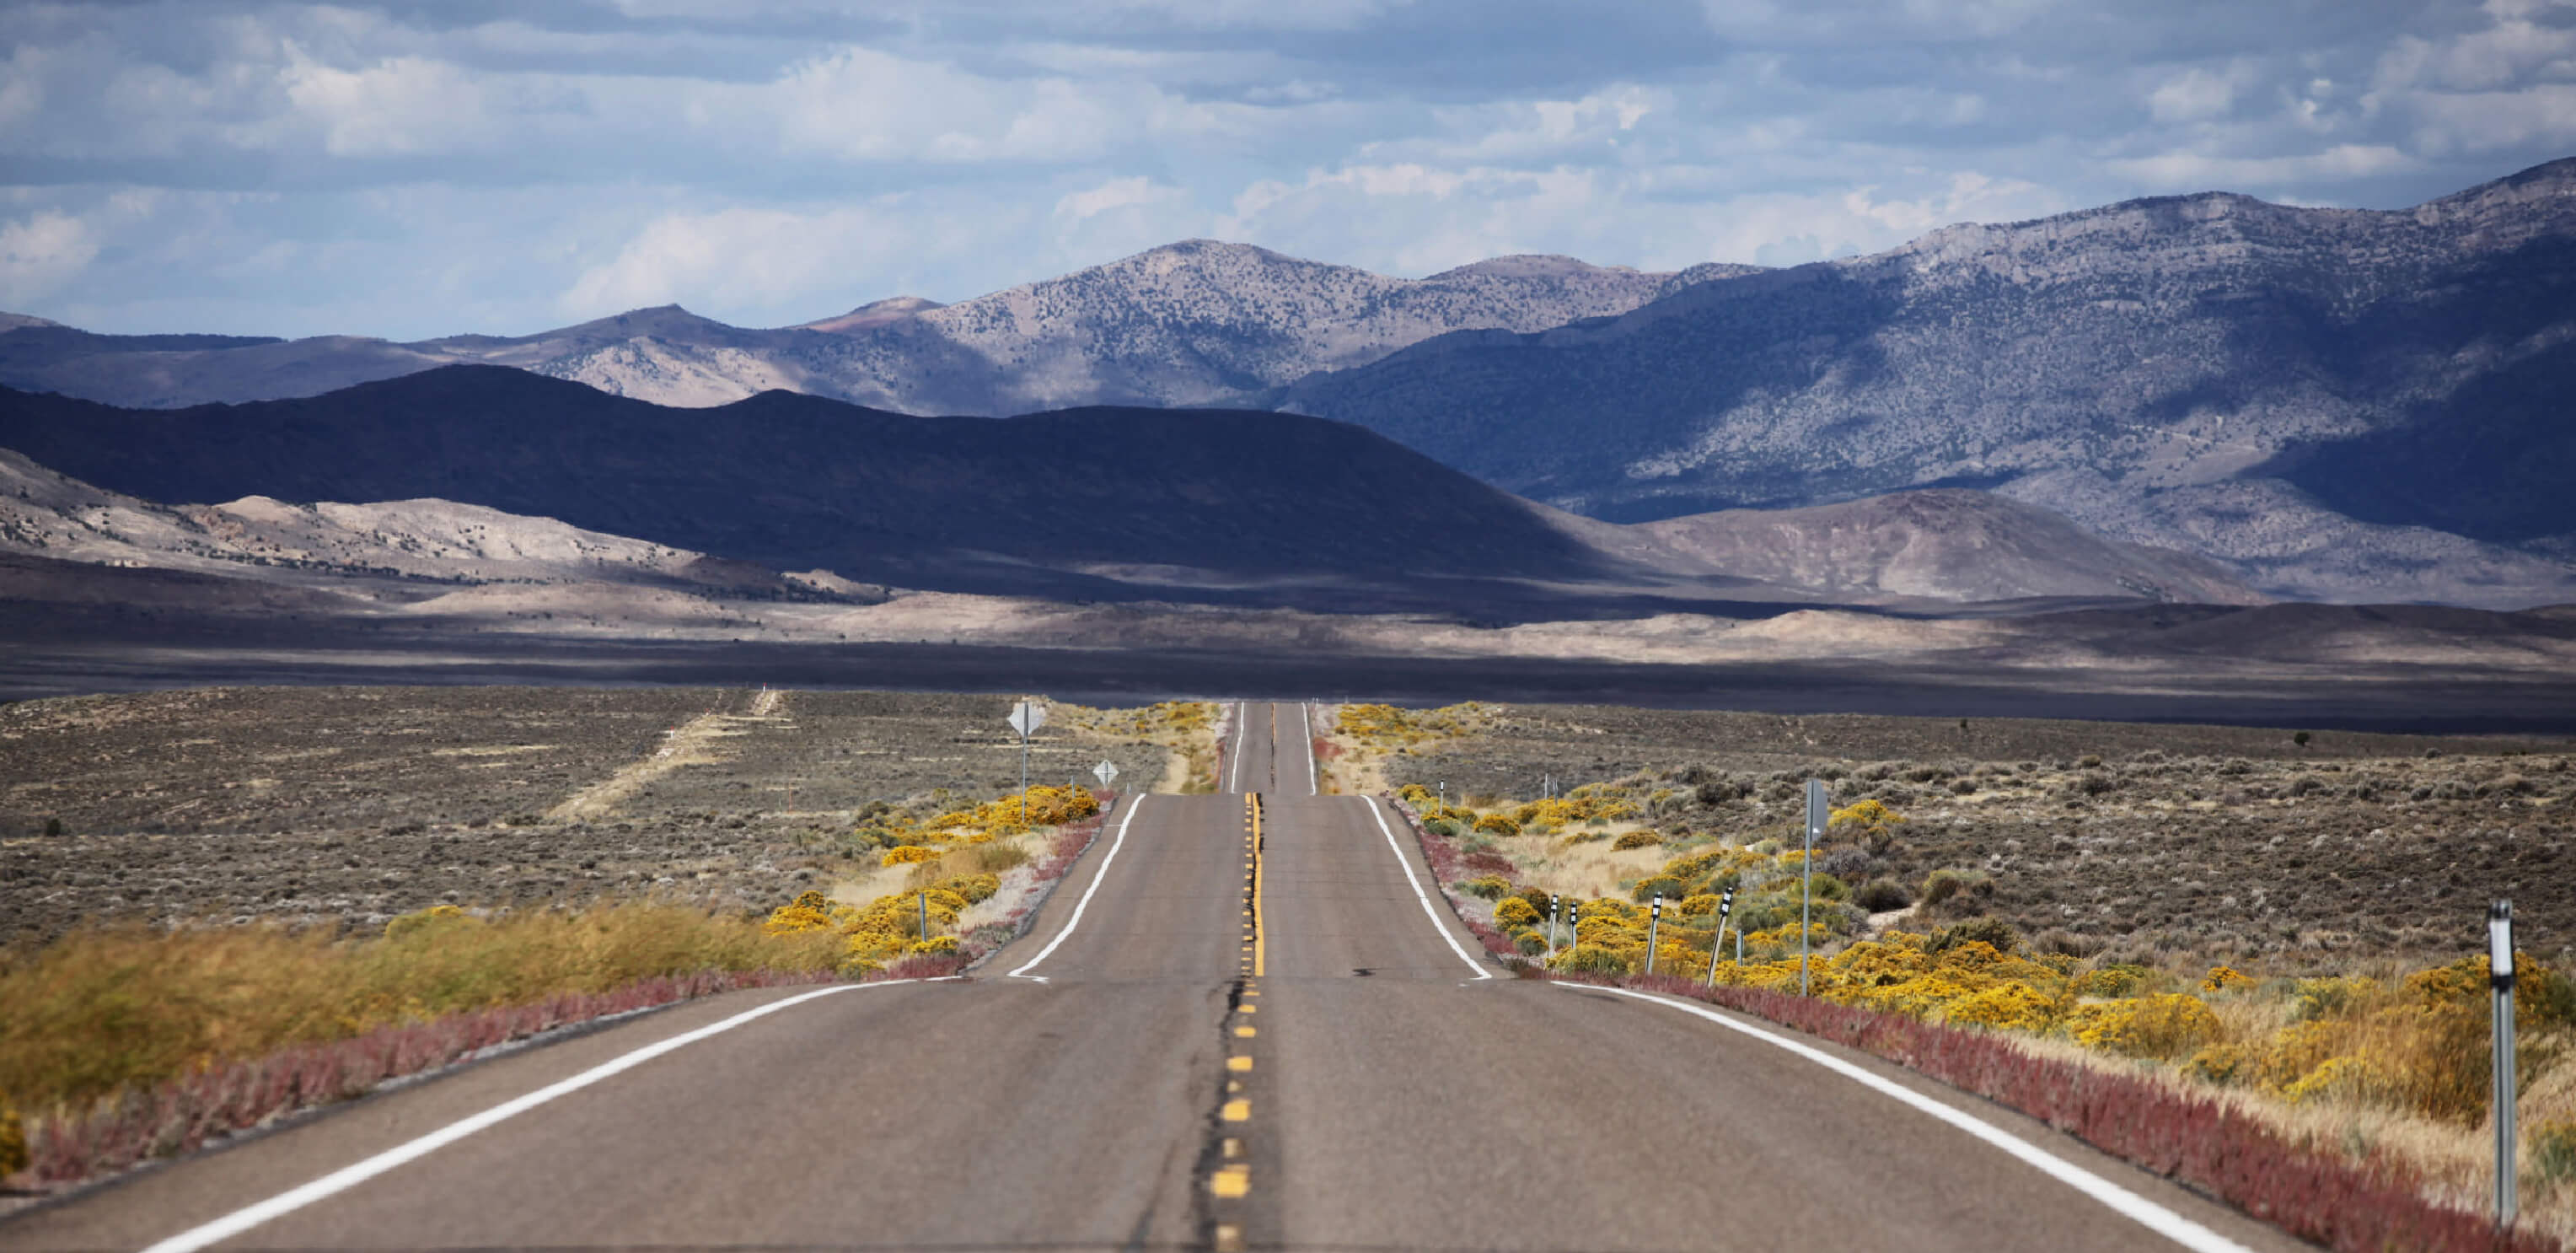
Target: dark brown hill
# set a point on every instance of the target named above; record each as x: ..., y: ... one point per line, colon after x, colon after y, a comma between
x: 798, y: 481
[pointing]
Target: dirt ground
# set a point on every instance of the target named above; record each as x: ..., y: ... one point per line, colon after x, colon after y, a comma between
x: 356, y: 804
x: 2158, y: 840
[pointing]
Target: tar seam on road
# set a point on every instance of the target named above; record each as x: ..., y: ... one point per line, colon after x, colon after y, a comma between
x: 1085, y: 902
x: 1406, y: 864
x: 347, y: 1177
x: 2130, y: 1205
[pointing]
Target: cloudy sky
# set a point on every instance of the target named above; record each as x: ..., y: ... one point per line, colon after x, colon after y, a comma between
x: 416, y: 169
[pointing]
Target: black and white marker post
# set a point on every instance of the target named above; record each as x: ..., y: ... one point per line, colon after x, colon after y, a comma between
x: 2501, y: 1093
x: 1817, y: 816
x: 1654, y: 922
x: 1725, y: 906
x: 1551, y: 924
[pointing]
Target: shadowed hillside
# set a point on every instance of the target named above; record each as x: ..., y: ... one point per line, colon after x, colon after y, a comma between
x: 799, y: 481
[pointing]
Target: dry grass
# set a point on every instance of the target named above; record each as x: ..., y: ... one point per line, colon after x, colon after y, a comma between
x: 104, y: 1009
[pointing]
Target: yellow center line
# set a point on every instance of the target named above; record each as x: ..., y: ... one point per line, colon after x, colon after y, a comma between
x: 1238, y: 1111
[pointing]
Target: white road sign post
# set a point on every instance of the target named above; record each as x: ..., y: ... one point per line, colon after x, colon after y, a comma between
x: 1026, y: 717
x: 1818, y: 814
x: 2501, y: 1096
x: 1106, y: 772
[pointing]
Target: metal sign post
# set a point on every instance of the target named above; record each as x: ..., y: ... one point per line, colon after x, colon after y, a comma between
x: 1725, y: 905
x: 1817, y: 815
x: 1654, y: 922
x: 2501, y: 1094
x: 1026, y: 717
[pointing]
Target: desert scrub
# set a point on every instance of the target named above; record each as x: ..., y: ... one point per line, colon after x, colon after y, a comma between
x: 104, y: 1009
x: 1379, y: 728
x: 2161, y: 1027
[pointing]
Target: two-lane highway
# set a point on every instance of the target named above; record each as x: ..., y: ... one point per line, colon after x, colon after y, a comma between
x: 1213, y: 1039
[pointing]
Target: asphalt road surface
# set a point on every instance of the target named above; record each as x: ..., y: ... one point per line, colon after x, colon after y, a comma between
x: 1206, y: 1043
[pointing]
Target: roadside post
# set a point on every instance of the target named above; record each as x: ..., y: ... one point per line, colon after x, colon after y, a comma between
x: 925, y: 914
x: 2501, y: 1094
x: 1725, y: 906
x: 1573, y: 925
x: 1654, y: 923
x: 1551, y: 923
x: 1817, y: 816
x: 1444, y: 798
x: 1106, y: 772
x: 1026, y: 717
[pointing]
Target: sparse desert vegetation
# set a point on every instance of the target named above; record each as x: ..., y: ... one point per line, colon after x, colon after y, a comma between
x: 2287, y: 923
x: 231, y: 903
x: 355, y: 805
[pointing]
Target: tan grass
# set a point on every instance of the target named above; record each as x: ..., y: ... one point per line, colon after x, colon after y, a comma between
x: 105, y: 1008
x: 1590, y: 869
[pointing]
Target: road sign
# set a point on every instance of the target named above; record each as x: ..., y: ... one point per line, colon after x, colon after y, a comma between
x: 1106, y: 772
x: 1026, y: 717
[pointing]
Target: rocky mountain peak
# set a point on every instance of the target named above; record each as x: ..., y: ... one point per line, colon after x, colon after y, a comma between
x: 873, y: 313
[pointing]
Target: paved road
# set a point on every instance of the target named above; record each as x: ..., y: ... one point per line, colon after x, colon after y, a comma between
x: 1160, y: 1074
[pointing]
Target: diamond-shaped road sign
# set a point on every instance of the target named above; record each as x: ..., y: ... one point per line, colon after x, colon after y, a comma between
x: 1104, y: 772
x: 1027, y: 717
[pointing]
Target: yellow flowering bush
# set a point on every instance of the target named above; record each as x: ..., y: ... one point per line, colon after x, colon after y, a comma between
x: 2161, y: 1026
x: 2224, y: 978
x: 1512, y: 913
x: 810, y: 911
x: 2333, y: 1077
x: 907, y: 854
x: 2011, y: 1005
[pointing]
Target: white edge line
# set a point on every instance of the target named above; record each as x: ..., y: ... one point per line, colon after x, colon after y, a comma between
x: 1234, y: 768
x: 1306, y: 718
x: 2130, y: 1205
x: 284, y: 1203
x: 1406, y: 864
x: 1085, y: 902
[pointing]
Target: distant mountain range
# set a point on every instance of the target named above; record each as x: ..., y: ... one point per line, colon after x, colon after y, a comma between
x: 1188, y: 324
x: 500, y: 474
x: 2336, y: 404
x: 2345, y: 404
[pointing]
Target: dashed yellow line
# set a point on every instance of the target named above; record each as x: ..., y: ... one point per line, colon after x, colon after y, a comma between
x: 1238, y: 1063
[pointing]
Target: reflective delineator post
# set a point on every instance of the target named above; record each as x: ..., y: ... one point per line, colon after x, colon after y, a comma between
x: 1654, y: 922
x: 925, y: 915
x: 1725, y: 905
x: 2501, y: 1092
x: 1817, y: 816
x: 1551, y: 923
